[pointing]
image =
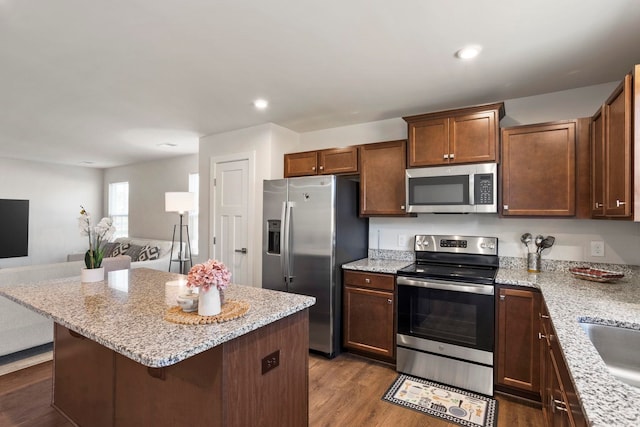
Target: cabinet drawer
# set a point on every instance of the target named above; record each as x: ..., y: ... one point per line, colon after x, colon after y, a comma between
x: 369, y: 280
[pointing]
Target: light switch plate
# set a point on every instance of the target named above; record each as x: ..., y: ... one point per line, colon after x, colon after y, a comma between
x: 402, y: 240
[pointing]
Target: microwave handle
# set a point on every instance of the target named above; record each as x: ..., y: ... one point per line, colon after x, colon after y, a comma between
x: 472, y: 189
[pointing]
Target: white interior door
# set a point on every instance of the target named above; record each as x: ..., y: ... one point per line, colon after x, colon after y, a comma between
x: 231, y: 192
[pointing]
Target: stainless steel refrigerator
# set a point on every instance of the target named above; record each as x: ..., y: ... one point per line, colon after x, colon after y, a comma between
x: 310, y: 228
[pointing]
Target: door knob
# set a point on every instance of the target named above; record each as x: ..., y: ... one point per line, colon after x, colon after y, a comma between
x: 242, y: 251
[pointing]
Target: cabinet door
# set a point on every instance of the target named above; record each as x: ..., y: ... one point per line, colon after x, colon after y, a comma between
x: 429, y: 142
x: 473, y: 138
x: 382, y: 178
x: 538, y: 170
x: 81, y: 390
x: 368, y: 321
x: 618, y: 151
x: 597, y: 164
x: 338, y: 160
x: 300, y: 164
x: 518, y: 348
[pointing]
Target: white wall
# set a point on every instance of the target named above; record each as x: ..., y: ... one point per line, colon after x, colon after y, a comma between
x: 573, y: 237
x: 55, y: 194
x: 268, y: 143
x: 148, y: 182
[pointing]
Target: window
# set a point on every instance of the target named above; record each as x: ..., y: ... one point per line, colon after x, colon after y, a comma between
x: 194, y: 186
x: 119, y: 207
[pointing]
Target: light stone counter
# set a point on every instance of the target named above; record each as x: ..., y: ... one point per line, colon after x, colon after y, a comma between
x: 389, y: 266
x: 605, y: 400
x: 126, y: 313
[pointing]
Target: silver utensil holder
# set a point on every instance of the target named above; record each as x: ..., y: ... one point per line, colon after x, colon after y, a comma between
x: 534, y: 262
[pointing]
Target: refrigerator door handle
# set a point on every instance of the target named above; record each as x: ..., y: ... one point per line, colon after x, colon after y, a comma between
x: 283, y: 245
x: 290, y: 266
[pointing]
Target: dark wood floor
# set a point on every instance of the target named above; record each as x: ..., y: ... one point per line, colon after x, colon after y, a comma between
x: 345, y: 391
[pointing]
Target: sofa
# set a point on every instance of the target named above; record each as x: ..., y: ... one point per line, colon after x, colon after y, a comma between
x: 21, y: 328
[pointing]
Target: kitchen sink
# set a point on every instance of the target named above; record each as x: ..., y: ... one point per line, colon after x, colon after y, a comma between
x: 619, y: 348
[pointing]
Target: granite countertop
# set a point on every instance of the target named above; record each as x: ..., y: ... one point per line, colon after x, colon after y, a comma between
x: 389, y: 266
x: 126, y: 313
x: 606, y: 400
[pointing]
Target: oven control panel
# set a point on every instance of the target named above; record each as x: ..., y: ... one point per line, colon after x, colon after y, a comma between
x: 456, y: 244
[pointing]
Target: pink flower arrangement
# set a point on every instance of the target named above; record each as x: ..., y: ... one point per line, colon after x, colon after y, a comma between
x: 208, y: 274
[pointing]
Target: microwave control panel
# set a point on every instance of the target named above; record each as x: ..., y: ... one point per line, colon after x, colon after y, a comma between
x: 483, y: 191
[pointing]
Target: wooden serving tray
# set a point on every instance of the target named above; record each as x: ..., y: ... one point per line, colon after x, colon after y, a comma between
x: 595, y: 274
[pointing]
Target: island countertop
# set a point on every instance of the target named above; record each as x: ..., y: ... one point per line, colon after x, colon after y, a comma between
x: 126, y: 313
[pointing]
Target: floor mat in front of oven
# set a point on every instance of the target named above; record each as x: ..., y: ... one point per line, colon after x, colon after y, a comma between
x: 438, y: 400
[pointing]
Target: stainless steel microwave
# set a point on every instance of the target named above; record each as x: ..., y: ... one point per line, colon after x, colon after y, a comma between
x: 453, y: 189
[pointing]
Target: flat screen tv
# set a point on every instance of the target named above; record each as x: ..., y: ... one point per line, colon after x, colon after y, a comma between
x: 14, y: 228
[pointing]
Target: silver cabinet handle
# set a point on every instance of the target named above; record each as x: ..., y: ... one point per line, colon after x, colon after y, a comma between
x: 598, y: 205
x: 367, y: 280
x: 541, y: 336
x: 505, y: 207
x: 543, y: 316
x: 446, y: 156
x: 402, y: 207
x: 389, y: 301
x: 321, y: 168
x: 619, y: 203
x: 242, y: 251
x: 502, y: 297
x: 313, y: 168
x: 452, y: 156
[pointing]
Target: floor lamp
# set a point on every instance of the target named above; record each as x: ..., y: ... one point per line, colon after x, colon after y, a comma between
x: 180, y: 202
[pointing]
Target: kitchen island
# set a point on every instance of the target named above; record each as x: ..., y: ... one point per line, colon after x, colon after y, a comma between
x: 117, y: 361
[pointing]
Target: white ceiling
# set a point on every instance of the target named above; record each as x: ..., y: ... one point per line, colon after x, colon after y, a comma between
x: 107, y: 81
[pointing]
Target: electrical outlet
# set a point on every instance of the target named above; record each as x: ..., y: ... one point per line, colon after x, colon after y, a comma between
x: 597, y: 248
x: 270, y: 362
x: 402, y: 240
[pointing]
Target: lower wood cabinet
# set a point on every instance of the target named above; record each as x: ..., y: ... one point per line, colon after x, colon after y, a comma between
x: 518, y: 345
x: 369, y: 314
x: 560, y: 404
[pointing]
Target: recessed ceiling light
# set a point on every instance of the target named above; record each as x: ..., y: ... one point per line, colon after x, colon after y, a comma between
x: 261, y: 104
x: 468, y: 52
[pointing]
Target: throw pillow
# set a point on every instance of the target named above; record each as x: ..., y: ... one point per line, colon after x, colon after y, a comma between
x: 148, y: 253
x: 133, y: 251
x: 109, y: 247
x: 120, y: 249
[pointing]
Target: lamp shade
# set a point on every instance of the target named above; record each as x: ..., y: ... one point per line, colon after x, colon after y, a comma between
x: 180, y: 202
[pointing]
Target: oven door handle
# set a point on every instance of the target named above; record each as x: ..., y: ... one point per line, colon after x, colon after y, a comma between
x: 470, y: 288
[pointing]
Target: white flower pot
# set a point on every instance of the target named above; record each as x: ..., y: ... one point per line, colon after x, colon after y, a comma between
x: 92, y: 275
x: 209, y: 302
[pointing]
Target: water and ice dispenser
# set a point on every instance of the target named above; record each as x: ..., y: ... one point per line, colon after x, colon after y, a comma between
x: 273, y: 229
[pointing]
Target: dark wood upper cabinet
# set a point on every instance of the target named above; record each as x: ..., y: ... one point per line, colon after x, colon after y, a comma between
x: 301, y: 164
x: 322, y: 162
x: 597, y: 164
x: 617, y: 147
x: 538, y: 170
x: 468, y: 135
x: 382, y: 178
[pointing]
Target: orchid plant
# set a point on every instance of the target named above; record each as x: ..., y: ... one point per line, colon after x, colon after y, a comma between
x: 209, y: 274
x: 97, y: 235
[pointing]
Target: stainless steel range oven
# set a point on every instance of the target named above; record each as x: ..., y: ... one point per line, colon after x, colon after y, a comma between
x: 446, y: 311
